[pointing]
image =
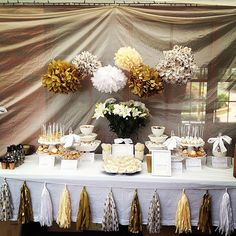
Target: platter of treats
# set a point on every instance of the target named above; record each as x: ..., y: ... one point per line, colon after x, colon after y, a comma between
x: 121, y: 165
x: 49, y: 150
x: 67, y: 154
x: 193, y: 152
x: 192, y: 142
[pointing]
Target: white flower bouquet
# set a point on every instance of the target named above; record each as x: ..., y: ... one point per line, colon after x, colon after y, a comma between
x: 124, y: 117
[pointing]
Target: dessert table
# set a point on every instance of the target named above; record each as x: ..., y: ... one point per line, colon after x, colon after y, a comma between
x: 98, y: 184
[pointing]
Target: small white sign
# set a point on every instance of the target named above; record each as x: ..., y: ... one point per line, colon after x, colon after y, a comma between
x: 161, y: 162
x: 69, y: 164
x: 219, y: 162
x: 46, y: 161
x: 87, y: 157
x: 193, y: 164
x: 177, y: 167
x: 119, y: 150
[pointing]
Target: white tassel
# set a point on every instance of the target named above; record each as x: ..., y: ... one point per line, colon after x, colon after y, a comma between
x: 154, y: 215
x: 226, y: 223
x: 110, y: 218
x: 46, y: 213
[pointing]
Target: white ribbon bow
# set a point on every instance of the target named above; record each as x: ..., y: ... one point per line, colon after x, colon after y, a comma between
x: 172, y: 142
x: 70, y: 139
x: 3, y: 110
x: 121, y: 140
x: 219, y: 141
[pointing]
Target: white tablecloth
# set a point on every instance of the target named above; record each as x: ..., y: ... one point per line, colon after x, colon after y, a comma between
x: 98, y: 184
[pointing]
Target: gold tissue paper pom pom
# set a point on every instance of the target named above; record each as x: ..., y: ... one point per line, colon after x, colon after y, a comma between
x: 127, y: 57
x: 61, y: 77
x: 145, y: 81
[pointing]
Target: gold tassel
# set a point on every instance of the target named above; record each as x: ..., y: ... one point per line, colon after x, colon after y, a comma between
x: 64, y: 212
x: 204, y: 220
x: 83, y: 214
x: 25, y: 212
x: 135, y: 219
x: 183, y: 218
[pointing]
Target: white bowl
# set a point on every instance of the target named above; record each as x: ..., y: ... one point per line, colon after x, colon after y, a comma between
x: 157, y: 139
x: 88, y: 137
x: 86, y: 129
x: 158, y: 130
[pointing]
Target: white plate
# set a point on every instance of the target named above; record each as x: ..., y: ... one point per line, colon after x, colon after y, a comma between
x: 48, y: 143
x: 87, y: 137
x: 88, y: 147
x: 154, y: 146
x: 193, y: 145
x: 155, y: 139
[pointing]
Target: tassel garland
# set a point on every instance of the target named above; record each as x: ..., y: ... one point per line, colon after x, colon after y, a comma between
x: 183, y: 218
x: 6, y: 206
x: 25, y: 212
x: 154, y: 215
x: 135, y: 219
x: 46, y: 213
x: 226, y: 225
x: 64, y: 212
x: 110, y: 218
x: 83, y: 214
x: 204, y: 219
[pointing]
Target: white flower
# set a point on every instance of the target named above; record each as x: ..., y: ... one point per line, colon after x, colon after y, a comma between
x: 135, y: 112
x: 100, y: 110
x: 125, y: 111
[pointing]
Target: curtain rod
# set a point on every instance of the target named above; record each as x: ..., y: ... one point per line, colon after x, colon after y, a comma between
x: 96, y: 4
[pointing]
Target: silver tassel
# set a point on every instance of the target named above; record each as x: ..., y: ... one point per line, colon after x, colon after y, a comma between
x: 154, y: 215
x: 110, y: 218
x: 6, y: 206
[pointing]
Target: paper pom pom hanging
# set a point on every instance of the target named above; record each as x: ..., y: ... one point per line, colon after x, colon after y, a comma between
x: 86, y: 63
x: 178, y: 66
x: 109, y: 79
x: 61, y: 77
x: 127, y: 57
x: 144, y: 81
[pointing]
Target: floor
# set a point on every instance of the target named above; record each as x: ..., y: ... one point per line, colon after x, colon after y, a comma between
x: 35, y: 230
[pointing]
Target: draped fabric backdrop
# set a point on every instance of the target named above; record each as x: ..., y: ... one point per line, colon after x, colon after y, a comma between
x: 32, y: 36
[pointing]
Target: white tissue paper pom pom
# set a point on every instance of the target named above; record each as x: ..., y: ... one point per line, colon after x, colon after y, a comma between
x: 109, y: 79
x: 86, y: 63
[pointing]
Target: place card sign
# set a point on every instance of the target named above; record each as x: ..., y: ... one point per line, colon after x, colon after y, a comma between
x: 46, y: 161
x: 119, y: 150
x: 161, y: 162
x: 219, y: 162
x: 87, y: 157
x: 193, y: 164
x: 177, y: 167
x: 69, y: 164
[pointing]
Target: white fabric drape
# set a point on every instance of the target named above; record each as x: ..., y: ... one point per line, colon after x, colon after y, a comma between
x: 32, y: 36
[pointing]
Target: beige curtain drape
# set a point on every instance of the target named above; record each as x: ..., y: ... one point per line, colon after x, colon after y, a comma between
x: 32, y: 36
